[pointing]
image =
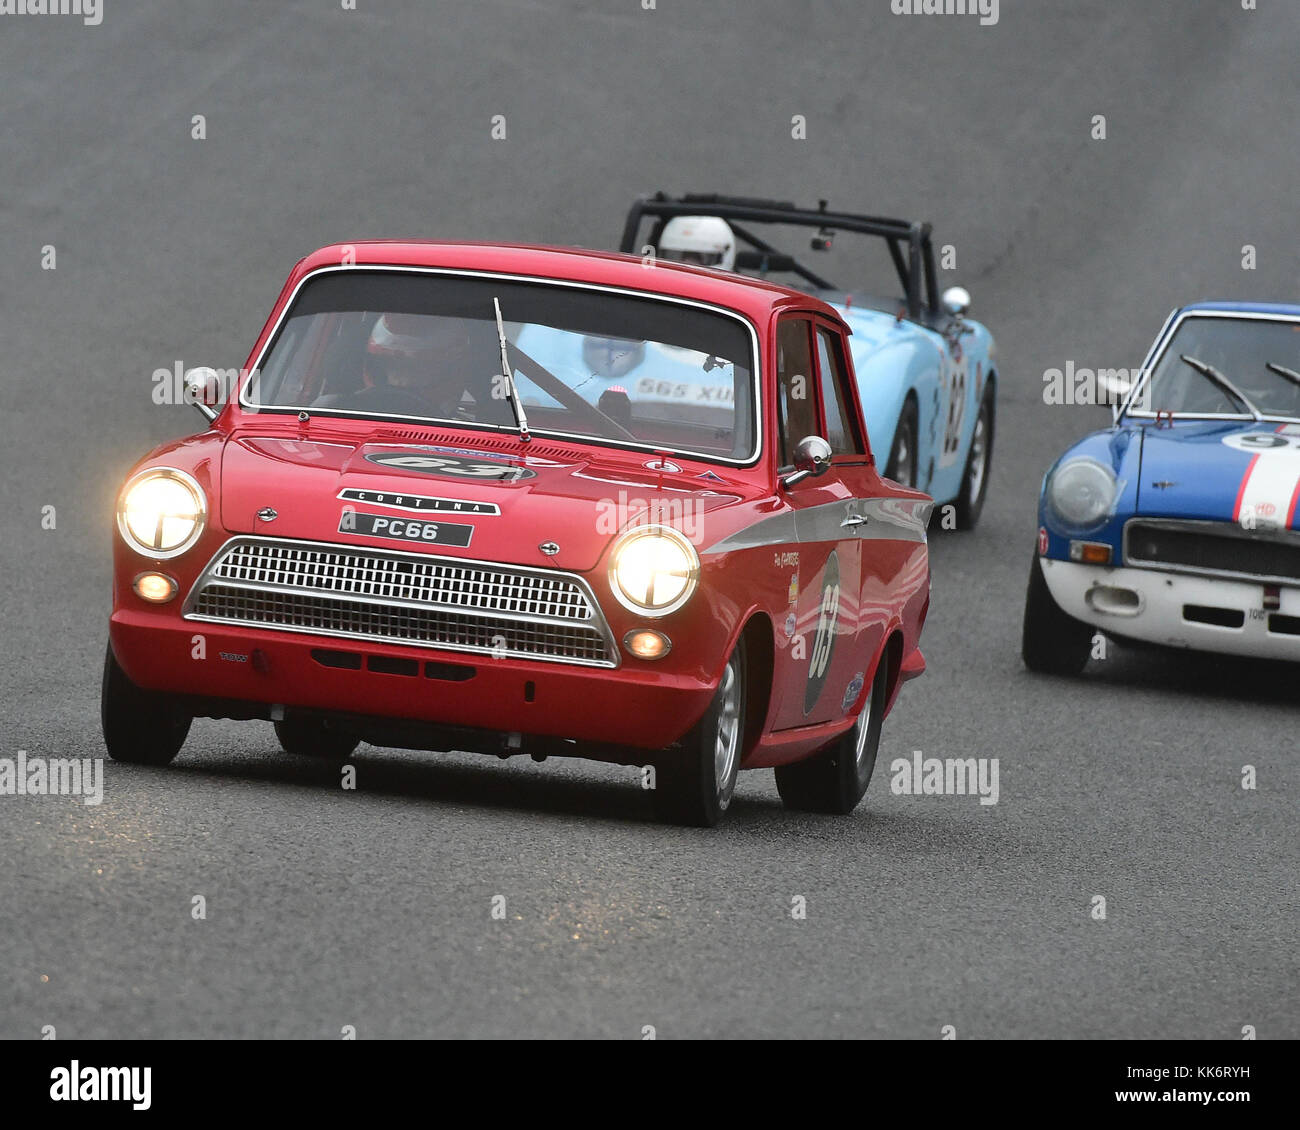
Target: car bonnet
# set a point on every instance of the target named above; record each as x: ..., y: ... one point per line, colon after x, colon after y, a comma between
x: 1227, y: 471
x: 573, y: 499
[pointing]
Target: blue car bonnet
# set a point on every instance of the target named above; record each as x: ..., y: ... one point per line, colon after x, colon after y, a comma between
x: 1223, y: 471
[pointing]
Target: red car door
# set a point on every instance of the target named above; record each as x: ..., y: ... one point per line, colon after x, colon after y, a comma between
x: 818, y: 655
x: 878, y: 558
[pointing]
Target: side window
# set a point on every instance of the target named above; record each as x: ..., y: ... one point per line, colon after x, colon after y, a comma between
x: 796, y: 401
x: 841, y: 426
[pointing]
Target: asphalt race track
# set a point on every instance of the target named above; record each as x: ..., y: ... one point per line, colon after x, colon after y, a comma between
x: 371, y: 908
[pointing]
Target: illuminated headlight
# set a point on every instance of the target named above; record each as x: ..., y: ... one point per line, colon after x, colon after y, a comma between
x: 653, y: 570
x: 1082, y: 493
x: 161, y: 512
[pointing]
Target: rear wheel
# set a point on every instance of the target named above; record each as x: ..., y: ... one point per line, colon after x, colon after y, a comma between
x: 141, y: 727
x: 1052, y: 641
x: 975, y: 481
x: 903, y: 455
x: 836, y: 779
x: 694, y: 784
x: 313, y: 738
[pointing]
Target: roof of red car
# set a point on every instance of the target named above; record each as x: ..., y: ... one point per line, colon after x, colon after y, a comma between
x: 755, y: 298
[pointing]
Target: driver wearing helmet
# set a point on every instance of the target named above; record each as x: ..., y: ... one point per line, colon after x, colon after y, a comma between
x: 420, y: 365
x: 704, y: 241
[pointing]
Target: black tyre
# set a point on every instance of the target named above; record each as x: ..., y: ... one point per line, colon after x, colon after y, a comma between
x: 694, y: 784
x: 141, y: 727
x: 309, y: 737
x: 1052, y: 641
x: 979, y: 462
x: 903, y: 454
x: 836, y: 779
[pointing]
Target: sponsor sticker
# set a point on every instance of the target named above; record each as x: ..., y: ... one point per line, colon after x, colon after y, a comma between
x: 852, y: 691
x: 427, y: 464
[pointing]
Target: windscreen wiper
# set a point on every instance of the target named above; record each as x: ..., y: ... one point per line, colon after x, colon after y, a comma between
x: 1283, y: 371
x: 507, y: 371
x: 1210, y: 373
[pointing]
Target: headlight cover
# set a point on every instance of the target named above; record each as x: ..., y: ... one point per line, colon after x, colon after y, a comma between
x: 161, y: 512
x: 653, y: 570
x: 1081, y: 494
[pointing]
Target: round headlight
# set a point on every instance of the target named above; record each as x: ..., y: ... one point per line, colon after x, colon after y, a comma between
x: 653, y: 570
x: 161, y: 512
x: 1082, y: 493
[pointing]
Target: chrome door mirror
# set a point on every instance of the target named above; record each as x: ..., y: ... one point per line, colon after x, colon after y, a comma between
x: 203, y: 390
x: 812, y: 459
x: 1113, y: 390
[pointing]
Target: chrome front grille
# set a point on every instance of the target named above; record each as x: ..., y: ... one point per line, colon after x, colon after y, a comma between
x: 505, y: 611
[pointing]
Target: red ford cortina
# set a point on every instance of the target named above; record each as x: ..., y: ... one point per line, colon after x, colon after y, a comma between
x: 439, y: 511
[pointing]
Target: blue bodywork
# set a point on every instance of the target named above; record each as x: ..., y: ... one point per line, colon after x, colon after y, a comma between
x: 1184, y: 468
x: 896, y: 359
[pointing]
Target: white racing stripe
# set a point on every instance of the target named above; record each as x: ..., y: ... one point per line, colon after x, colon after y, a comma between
x: 1270, y: 487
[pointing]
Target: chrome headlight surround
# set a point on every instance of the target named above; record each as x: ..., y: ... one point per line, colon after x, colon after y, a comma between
x: 633, y: 569
x: 197, y: 514
x: 1081, y: 494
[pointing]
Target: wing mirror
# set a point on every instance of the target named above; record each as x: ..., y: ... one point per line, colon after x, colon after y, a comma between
x: 1113, y: 390
x: 812, y: 459
x: 203, y: 390
x: 956, y: 302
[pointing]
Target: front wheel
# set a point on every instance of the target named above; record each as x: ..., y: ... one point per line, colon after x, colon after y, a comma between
x: 141, y: 727
x: 1052, y: 641
x: 836, y: 779
x: 694, y: 784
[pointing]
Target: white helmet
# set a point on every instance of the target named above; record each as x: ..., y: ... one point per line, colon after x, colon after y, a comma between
x: 706, y: 241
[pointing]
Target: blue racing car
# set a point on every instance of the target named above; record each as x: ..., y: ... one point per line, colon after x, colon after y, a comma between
x: 926, y: 373
x: 1176, y: 526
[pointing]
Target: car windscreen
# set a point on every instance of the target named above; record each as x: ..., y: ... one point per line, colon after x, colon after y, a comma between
x: 587, y: 363
x: 1238, y: 349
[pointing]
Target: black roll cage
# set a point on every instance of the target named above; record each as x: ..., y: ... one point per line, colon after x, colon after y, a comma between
x: 909, y: 242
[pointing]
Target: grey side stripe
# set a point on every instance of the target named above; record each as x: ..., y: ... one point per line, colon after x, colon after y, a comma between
x: 888, y: 519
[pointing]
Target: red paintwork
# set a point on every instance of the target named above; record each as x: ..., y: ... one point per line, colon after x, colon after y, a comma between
x: 247, y: 461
